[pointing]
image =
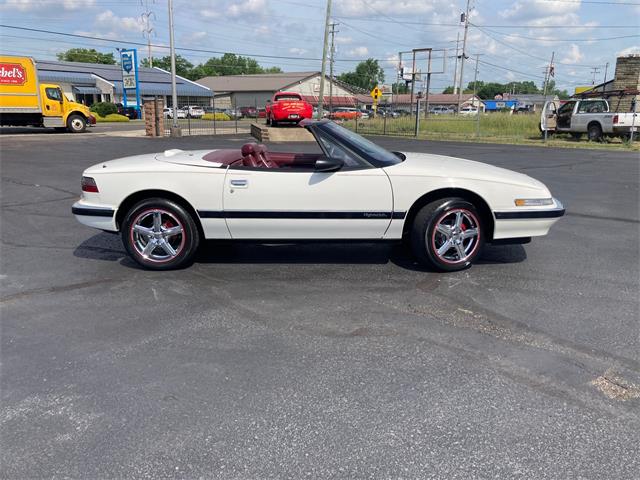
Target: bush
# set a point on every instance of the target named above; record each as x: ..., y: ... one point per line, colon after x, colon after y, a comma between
x: 112, y: 117
x: 218, y: 116
x: 104, y: 108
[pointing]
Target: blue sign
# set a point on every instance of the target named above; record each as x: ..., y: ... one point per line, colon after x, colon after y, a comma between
x: 129, y: 64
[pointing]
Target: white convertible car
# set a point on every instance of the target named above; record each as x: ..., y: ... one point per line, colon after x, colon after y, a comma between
x: 165, y: 204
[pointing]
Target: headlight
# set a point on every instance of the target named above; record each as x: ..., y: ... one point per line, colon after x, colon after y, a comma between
x: 533, y: 202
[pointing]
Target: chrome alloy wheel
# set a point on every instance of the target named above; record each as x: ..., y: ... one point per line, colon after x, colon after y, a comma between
x: 455, y: 236
x: 157, y: 235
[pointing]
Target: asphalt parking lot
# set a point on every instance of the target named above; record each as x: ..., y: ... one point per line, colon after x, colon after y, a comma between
x: 322, y: 360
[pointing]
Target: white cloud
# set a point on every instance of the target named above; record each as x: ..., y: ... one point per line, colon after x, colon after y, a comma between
x: 238, y: 9
x: 343, y: 40
x: 298, y: 51
x: 44, y: 5
x: 393, y: 8
x: 573, y: 55
x: 634, y: 50
x: 358, y: 52
x: 108, y: 21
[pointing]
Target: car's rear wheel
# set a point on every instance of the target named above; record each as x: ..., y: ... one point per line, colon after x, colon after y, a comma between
x: 594, y: 132
x: 160, y: 234
x: 448, y: 234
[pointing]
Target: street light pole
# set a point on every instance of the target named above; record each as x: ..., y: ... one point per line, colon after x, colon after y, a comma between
x: 324, y: 59
x: 175, y: 129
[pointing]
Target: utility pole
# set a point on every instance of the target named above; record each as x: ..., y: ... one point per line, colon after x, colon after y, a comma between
x: 175, y: 129
x: 333, y: 53
x: 594, y: 71
x: 475, y: 90
x: 147, y: 31
x: 606, y: 67
x: 323, y: 70
x: 464, y: 53
x: 548, y: 73
x: 455, y: 70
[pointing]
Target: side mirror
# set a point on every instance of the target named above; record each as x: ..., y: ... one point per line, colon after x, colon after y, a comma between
x: 328, y: 164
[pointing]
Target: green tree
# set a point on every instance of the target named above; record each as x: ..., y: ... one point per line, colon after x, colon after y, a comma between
x: 552, y: 90
x: 183, y: 66
x: 87, y: 55
x: 400, y: 87
x: 230, y: 64
x: 449, y: 89
x: 367, y: 75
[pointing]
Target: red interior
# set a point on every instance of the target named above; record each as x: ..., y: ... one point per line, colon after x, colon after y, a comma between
x: 257, y: 156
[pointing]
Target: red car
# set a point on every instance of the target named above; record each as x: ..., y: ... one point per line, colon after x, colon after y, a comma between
x: 287, y: 107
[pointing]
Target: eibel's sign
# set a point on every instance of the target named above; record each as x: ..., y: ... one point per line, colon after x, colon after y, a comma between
x: 129, y: 69
x: 12, y: 74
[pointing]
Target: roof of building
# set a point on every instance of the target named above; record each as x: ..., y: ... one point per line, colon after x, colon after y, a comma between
x: 153, y: 81
x: 434, y: 98
x: 533, y: 97
x: 261, y: 82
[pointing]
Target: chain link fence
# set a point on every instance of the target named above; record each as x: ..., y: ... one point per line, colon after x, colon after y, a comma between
x: 201, y: 116
x: 441, y: 122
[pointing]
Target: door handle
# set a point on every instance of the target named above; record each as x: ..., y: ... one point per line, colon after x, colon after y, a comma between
x: 239, y: 183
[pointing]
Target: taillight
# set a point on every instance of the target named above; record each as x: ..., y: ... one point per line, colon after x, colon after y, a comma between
x: 615, y: 119
x: 89, y: 185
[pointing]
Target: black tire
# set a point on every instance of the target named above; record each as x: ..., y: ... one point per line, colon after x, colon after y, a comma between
x: 172, y: 215
x: 274, y: 123
x: 76, y: 123
x: 444, y: 212
x: 594, y: 132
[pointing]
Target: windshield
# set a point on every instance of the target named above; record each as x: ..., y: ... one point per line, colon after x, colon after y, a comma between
x: 375, y: 154
x: 288, y: 97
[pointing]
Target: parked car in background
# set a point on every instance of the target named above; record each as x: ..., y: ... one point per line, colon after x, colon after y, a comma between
x: 345, y: 113
x: 591, y: 116
x: 442, y: 110
x: 469, y: 110
x: 325, y: 113
x: 233, y: 113
x: 168, y: 113
x: 251, y: 112
x: 262, y: 113
x: 193, y: 111
x: 287, y: 107
x: 130, y: 112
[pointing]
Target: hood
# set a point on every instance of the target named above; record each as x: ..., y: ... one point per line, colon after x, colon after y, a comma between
x: 425, y: 164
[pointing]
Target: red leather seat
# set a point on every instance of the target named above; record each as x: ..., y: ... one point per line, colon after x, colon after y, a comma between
x: 250, y: 156
x: 256, y: 155
x: 265, y: 158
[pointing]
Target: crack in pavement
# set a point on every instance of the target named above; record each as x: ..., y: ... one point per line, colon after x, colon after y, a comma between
x: 56, y: 289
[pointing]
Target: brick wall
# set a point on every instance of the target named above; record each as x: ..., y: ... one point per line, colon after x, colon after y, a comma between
x: 627, y: 77
x: 152, y: 111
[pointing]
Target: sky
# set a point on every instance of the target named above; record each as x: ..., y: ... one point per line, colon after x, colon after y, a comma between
x: 515, y: 39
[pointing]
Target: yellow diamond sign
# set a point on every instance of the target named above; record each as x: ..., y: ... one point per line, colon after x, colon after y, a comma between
x: 376, y: 93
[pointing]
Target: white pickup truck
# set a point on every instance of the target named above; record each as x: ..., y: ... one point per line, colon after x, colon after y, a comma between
x: 591, y: 116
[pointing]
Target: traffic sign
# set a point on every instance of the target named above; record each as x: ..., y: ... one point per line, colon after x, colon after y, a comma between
x: 376, y: 93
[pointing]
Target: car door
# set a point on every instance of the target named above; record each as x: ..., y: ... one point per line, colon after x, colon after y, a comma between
x: 52, y: 99
x: 564, y: 115
x: 354, y: 202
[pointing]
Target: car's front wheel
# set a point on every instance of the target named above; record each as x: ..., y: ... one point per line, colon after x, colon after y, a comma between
x: 160, y: 234
x: 448, y: 234
x: 76, y: 124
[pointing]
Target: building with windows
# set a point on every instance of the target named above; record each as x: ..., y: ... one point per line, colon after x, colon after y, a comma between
x: 89, y: 83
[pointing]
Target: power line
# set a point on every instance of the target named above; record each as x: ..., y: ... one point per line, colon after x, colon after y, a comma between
x: 440, y: 24
x: 525, y: 52
x: 186, y: 49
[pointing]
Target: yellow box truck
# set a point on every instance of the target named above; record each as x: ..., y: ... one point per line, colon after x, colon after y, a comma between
x: 24, y: 101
